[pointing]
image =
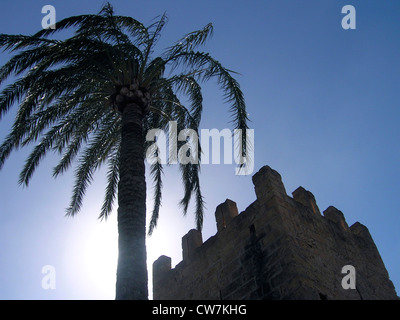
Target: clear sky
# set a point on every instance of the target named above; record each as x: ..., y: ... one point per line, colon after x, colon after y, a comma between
x: 324, y: 104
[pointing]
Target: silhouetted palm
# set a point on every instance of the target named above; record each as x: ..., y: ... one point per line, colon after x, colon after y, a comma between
x: 92, y: 96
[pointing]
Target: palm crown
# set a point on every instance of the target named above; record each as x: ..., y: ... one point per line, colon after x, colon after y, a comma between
x: 72, y: 94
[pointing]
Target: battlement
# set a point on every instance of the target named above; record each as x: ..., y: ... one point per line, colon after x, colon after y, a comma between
x: 280, y: 247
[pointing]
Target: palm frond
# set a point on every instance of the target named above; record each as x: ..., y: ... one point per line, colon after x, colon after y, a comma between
x: 188, y: 85
x: 191, y: 183
x: 94, y: 155
x: 152, y: 40
x: 232, y: 93
x: 73, y: 21
x: 156, y: 173
x: 66, y: 95
x: 7, y: 146
x: 190, y: 41
x: 37, y: 154
x: 11, y: 42
x: 12, y: 94
x: 112, y: 183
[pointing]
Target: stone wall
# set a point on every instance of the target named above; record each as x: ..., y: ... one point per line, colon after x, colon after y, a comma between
x: 280, y: 247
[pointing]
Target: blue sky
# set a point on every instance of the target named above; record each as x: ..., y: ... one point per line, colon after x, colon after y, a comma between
x: 323, y: 103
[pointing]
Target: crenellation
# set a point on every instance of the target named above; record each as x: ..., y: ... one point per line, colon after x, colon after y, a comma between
x: 224, y: 213
x: 268, y: 184
x: 161, y: 266
x: 161, y: 272
x: 306, y: 198
x: 190, y: 242
x: 279, y: 247
x: 336, y: 216
x: 361, y: 231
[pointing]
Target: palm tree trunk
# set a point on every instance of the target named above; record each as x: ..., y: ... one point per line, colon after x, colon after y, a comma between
x: 132, y: 268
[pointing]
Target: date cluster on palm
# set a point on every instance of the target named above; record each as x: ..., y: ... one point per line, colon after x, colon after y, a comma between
x: 132, y: 93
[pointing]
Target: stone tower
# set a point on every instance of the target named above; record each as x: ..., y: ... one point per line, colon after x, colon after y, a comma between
x: 280, y: 247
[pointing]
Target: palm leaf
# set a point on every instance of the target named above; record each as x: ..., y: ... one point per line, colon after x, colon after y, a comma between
x: 112, y: 184
x: 66, y: 90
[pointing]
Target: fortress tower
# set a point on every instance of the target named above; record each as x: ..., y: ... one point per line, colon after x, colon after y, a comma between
x: 280, y: 247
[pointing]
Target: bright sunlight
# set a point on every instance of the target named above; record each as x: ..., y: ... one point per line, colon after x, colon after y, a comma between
x: 100, y: 257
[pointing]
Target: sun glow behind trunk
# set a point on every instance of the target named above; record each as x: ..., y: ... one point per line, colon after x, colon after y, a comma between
x: 165, y: 240
x: 91, y: 247
x: 100, y: 258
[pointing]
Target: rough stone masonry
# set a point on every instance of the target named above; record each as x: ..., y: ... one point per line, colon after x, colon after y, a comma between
x: 280, y: 247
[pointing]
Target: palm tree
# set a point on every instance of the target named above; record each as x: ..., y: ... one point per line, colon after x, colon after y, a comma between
x: 91, y: 98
